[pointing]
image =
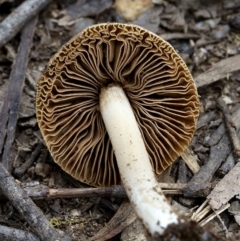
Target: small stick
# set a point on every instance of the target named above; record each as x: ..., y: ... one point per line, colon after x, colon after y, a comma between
x: 10, y: 26
x: 19, y: 171
x: 202, y: 214
x: 199, y: 209
x: 219, y: 71
x: 9, y: 113
x: 9, y: 234
x: 170, y: 36
x: 44, y: 192
x: 230, y: 126
x: 115, y: 191
x: 27, y: 208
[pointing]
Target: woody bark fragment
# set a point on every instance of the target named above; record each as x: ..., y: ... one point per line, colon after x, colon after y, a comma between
x: 226, y: 189
x: 231, y: 127
x: 27, y: 208
x: 218, y: 153
x: 11, y: 25
x: 219, y: 71
x: 11, y: 103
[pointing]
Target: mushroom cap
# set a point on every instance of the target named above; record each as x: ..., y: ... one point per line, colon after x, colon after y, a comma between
x: 155, y: 79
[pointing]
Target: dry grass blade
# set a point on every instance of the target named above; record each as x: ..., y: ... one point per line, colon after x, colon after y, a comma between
x: 215, y: 214
x: 190, y: 160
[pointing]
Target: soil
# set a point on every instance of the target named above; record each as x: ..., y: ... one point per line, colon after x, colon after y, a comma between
x: 203, y: 32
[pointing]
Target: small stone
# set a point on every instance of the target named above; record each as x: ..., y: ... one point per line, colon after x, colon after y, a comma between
x: 227, y: 100
x: 210, y: 105
x: 221, y: 32
x: 131, y: 10
x: 42, y: 169
x: 202, y: 14
x: 215, y: 123
x: 75, y: 213
x: 235, y: 22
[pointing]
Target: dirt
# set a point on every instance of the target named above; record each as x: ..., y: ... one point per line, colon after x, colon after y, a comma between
x: 203, y: 33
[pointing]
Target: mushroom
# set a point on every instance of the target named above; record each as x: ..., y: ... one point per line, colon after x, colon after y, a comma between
x: 117, y: 104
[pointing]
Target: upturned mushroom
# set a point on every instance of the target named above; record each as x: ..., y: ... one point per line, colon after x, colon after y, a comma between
x: 117, y: 104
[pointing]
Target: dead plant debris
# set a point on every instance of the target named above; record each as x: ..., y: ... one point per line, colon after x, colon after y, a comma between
x: 203, y: 184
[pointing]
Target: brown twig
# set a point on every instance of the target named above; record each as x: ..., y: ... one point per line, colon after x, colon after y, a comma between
x: 10, y: 234
x: 9, y: 112
x: 44, y: 192
x: 10, y: 26
x: 19, y: 171
x: 115, y: 191
x: 26, y: 207
x: 231, y: 128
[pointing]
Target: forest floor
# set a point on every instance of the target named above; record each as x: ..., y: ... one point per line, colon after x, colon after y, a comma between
x: 206, y: 34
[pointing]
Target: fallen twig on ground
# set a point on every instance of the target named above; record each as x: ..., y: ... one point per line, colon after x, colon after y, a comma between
x: 203, y: 210
x: 27, y: 208
x: 10, y: 108
x: 231, y: 128
x: 214, y: 214
x: 44, y: 192
x: 19, y: 171
x: 11, y: 25
x: 10, y: 234
x: 219, y: 71
x: 170, y: 36
x: 228, y: 187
